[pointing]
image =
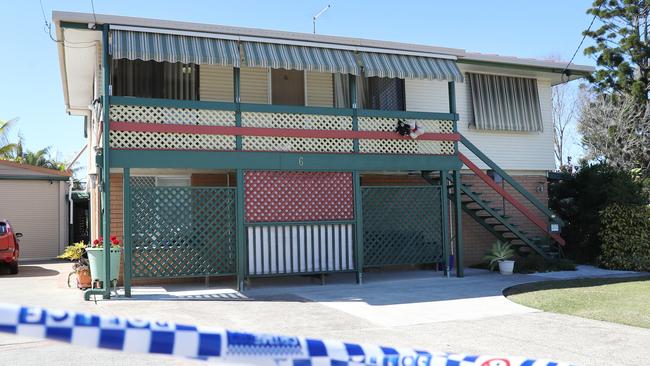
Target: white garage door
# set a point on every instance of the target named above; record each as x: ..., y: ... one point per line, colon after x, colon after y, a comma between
x: 33, y: 209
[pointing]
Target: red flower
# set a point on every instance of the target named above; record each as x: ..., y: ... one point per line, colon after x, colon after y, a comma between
x: 113, y: 238
x: 95, y: 242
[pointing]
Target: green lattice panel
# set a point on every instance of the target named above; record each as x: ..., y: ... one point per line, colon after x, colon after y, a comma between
x: 401, y: 225
x: 182, y: 231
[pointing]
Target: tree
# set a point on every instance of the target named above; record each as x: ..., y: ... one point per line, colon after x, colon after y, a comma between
x: 6, y: 148
x: 621, y: 47
x: 580, y: 200
x: 40, y: 158
x: 615, y: 130
x: 564, y: 113
x: 615, y: 116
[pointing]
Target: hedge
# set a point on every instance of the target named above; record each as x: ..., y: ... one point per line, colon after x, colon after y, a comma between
x: 625, y: 237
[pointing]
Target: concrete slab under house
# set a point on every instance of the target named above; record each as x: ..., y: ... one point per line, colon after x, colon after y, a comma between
x: 226, y: 151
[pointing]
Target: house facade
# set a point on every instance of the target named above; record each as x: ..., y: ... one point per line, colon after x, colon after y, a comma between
x: 246, y: 152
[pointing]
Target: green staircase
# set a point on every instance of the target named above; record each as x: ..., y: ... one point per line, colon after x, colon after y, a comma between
x: 497, y: 223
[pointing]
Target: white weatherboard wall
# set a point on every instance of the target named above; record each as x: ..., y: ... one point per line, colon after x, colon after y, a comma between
x: 38, y: 210
x: 514, y: 151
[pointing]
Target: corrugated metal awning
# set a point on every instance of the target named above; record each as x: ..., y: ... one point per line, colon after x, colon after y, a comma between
x: 161, y: 47
x: 409, y: 67
x: 292, y: 57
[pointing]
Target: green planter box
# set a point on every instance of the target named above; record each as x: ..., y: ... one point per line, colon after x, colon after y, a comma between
x: 96, y: 260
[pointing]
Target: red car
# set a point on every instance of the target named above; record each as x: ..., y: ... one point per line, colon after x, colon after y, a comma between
x: 9, y: 249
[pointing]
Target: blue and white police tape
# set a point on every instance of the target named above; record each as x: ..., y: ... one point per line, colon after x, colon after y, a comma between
x: 215, y: 344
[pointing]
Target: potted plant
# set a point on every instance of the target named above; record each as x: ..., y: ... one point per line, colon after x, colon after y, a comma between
x: 501, y: 253
x: 80, y: 268
x: 96, y: 259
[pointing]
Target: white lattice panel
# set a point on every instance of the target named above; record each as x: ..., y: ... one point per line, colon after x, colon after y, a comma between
x: 178, y: 116
x: 296, y: 121
x: 175, y: 141
x: 406, y: 147
x: 266, y: 143
x: 389, y: 124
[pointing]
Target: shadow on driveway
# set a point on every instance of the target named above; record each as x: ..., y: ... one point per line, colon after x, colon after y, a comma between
x: 29, y: 270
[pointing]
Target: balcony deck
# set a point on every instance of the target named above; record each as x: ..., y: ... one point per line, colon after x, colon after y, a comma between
x: 164, y: 133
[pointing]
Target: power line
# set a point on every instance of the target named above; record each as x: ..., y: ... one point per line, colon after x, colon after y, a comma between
x: 584, y: 36
x: 92, y: 4
x: 47, y: 28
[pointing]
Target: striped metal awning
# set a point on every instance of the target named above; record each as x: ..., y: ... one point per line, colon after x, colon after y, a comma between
x: 149, y: 46
x: 409, y: 67
x: 505, y: 103
x: 292, y: 57
x: 134, y: 45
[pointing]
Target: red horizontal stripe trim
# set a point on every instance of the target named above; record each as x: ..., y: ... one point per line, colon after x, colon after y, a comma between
x: 266, y: 151
x: 518, y: 205
x: 274, y: 132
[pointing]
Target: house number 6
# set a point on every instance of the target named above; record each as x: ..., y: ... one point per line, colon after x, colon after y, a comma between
x: 301, y: 161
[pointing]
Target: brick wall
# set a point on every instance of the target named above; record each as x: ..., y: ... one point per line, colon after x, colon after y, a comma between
x: 214, y: 180
x: 117, y: 205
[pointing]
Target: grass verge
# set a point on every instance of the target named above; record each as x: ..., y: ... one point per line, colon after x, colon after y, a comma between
x: 618, y: 300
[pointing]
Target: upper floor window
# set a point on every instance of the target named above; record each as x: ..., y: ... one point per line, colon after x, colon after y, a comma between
x: 372, y: 93
x: 288, y: 87
x: 150, y: 79
x: 505, y: 103
x: 386, y: 94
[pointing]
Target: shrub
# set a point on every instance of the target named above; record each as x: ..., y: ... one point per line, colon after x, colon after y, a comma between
x: 533, y: 263
x: 579, y: 200
x: 625, y: 235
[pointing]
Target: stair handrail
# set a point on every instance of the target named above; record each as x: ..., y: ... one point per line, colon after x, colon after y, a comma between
x: 475, y: 150
x: 533, y: 218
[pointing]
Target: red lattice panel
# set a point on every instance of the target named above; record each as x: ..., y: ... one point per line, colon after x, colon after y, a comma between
x: 298, y: 196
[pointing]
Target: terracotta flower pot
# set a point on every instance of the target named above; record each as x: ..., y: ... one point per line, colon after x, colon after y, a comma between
x: 83, y: 278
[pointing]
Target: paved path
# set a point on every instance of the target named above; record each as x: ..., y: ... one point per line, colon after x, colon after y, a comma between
x: 419, y: 309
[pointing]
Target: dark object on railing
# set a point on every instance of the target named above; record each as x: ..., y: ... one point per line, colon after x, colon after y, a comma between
x: 403, y: 128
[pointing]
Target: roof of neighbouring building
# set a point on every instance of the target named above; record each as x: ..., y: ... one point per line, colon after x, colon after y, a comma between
x: 14, y: 170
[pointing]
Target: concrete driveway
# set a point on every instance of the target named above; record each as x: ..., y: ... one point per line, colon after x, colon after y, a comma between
x: 411, y: 309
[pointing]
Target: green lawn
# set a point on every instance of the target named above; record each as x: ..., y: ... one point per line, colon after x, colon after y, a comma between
x: 618, y: 300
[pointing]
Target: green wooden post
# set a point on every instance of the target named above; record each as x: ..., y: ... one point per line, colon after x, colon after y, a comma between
x: 352, y: 85
x: 458, y: 227
x: 239, y: 232
x: 106, y: 170
x: 444, y: 206
x: 128, y: 252
x: 358, y: 225
x: 458, y: 224
x: 237, y: 95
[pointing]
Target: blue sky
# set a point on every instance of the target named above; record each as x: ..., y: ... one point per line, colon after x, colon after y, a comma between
x: 30, y: 82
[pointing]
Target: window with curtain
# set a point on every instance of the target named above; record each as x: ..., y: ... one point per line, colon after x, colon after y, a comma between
x: 505, y: 103
x: 372, y: 93
x: 386, y: 94
x: 150, y: 79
